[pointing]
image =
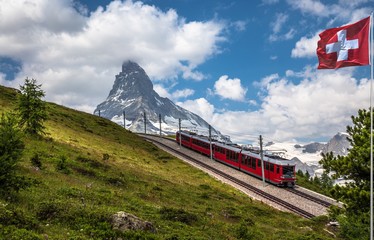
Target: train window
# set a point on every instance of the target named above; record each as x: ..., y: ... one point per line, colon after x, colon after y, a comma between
x: 218, y: 149
x: 266, y: 166
x: 277, y: 169
x: 288, y: 171
x: 258, y: 163
x: 185, y: 138
x: 271, y: 167
x: 253, y: 163
x: 249, y: 160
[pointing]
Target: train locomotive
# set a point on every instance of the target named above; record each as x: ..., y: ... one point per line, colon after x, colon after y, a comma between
x: 277, y: 170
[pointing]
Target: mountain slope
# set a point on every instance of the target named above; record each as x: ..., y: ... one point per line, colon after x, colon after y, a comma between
x: 133, y: 94
x: 91, y: 168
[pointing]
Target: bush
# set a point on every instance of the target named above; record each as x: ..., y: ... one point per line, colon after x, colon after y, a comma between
x: 246, y: 230
x: 11, y: 149
x: 36, y: 160
x: 62, y: 165
x: 178, y: 215
x: 14, y: 233
x: 355, y: 226
x: 10, y: 216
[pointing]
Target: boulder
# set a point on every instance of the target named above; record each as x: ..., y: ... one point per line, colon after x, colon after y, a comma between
x: 123, y: 221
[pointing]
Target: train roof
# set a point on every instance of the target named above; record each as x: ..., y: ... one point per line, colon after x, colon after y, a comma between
x: 194, y: 135
x: 271, y: 158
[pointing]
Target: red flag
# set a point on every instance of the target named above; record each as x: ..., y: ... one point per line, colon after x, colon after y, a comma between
x: 344, y: 46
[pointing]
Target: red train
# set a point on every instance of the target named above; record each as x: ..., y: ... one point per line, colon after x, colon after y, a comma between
x: 277, y: 170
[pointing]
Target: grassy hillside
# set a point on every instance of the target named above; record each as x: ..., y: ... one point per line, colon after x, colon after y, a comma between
x: 92, y: 168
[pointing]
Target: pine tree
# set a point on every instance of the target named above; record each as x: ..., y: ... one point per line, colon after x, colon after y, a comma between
x: 31, y: 107
x: 355, y: 168
x: 11, y: 148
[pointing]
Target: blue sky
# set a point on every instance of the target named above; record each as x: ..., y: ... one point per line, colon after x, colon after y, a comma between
x: 247, y: 67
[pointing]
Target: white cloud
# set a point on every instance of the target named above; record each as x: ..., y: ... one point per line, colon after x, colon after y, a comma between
x: 240, y: 25
x: 200, y: 107
x: 76, y: 56
x: 183, y: 93
x: 230, y: 88
x: 277, y: 25
x: 174, y: 96
x: 310, y: 6
x: 305, y: 47
x: 319, y: 106
x: 269, y: 2
x: 346, y: 11
x: 162, y: 91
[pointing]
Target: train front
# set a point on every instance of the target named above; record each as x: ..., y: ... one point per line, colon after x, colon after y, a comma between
x: 288, y: 176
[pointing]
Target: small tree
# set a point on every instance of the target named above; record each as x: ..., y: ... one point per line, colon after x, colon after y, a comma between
x: 11, y: 148
x: 31, y: 107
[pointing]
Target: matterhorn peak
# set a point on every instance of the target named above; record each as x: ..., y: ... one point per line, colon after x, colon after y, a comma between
x: 132, y: 96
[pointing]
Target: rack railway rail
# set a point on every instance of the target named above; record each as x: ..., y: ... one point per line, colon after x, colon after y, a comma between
x: 291, y: 207
x: 309, y: 197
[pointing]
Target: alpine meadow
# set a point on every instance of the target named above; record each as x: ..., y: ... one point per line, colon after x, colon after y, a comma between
x: 85, y: 169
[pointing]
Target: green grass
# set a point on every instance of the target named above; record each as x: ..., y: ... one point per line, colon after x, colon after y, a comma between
x: 88, y: 168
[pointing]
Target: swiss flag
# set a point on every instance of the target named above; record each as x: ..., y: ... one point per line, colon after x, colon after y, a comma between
x: 344, y: 46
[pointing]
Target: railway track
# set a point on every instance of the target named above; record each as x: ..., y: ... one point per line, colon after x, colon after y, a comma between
x: 309, y: 197
x: 251, y: 188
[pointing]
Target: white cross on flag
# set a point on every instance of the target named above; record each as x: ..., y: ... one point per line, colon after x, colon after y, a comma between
x: 344, y: 46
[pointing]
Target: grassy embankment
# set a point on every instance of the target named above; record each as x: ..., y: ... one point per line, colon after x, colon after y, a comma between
x: 92, y: 168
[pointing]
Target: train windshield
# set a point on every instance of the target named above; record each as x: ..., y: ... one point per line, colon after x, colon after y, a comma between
x: 288, y: 171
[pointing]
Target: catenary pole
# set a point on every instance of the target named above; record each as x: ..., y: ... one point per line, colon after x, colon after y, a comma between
x: 210, y: 142
x: 262, y: 161
x: 159, y: 117
x: 145, y: 123
x: 180, y: 132
x: 124, y: 119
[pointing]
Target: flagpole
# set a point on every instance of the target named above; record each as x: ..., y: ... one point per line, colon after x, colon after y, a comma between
x: 371, y: 42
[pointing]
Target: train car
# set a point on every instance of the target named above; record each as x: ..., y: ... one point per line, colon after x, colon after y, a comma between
x: 227, y: 154
x: 196, y: 143
x: 185, y: 139
x: 278, y: 171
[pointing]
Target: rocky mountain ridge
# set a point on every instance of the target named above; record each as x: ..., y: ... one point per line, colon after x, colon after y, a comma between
x: 338, y: 144
x: 132, y: 96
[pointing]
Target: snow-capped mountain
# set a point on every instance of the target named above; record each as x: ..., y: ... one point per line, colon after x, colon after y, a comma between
x: 307, y: 156
x: 338, y: 145
x: 132, y: 95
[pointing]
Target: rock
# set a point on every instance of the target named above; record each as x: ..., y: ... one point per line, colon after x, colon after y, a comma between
x: 123, y: 221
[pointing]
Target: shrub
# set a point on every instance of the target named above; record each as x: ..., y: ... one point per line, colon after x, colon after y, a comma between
x: 178, y: 215
x: 105, y: 156
x: 246, y: 230
x: 11, y: 148
x: 49, y: 210
x: 62, y: 165
x: 36, y: 160
x: 15, y: 233
x: 11, y: 216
